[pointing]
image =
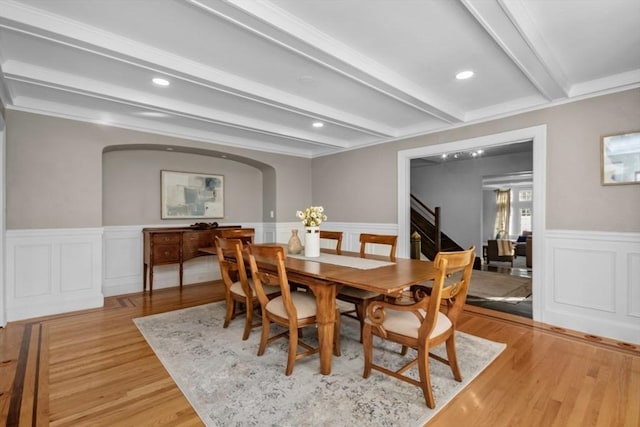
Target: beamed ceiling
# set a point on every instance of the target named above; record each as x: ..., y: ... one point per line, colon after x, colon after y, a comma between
x: 257, y: 74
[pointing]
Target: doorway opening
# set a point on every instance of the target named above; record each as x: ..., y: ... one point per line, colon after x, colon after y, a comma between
x: 537, y: 136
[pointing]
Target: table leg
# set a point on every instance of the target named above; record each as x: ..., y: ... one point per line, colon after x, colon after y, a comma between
x: 326, y: 317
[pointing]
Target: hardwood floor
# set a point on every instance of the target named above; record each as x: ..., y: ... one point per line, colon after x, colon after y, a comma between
x: 94, y: 368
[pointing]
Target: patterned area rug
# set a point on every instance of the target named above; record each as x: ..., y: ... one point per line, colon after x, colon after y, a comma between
x: 228, y: 384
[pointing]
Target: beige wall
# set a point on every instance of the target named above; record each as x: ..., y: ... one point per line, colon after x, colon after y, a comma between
x: 55, y: 175
x: 54, y: 170
x: 576, y: 200
x: 131, y: 185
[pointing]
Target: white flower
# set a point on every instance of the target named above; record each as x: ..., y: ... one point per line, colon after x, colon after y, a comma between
x: 312, y: 216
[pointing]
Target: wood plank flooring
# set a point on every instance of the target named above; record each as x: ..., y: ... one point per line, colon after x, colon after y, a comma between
x: 94, y: 368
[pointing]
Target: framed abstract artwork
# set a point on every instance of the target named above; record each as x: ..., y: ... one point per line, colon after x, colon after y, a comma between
x: 186, y: 195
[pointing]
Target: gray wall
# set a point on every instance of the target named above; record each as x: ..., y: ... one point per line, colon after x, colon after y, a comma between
x: 131, y: 185
x: 457, y: 188
x: 362, y: 185
x: 55, y: 175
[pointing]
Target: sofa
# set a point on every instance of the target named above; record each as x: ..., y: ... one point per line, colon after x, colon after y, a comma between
x: 521, y: 244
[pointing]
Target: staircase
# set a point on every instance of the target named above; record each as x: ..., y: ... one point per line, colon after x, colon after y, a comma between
x: 426, y: 222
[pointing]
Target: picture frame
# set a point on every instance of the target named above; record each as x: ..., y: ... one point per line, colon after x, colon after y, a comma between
x: 188, y: 195
x: 620, y: 155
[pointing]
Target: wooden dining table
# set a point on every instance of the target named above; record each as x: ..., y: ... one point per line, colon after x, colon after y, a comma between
x: 325, y: 279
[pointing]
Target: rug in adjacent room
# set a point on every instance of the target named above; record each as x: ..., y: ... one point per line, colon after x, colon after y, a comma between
x: 499, y: 287
x: 228, y: 384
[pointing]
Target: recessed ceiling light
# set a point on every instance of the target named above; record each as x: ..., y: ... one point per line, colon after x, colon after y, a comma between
x: 151, y: 114
x: 317, y: 124
x: 463, y: 75
x: 158, y: 81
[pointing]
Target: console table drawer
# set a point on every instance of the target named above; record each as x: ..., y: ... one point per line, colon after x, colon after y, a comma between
x: 166, y: 238
x: 192, y: 242
x: 166, y: 253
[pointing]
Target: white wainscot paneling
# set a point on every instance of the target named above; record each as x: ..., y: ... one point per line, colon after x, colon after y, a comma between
x: 122, y: 252
x: 592, y: 283
x: 580, y: 278
x: 52, y: 271
x: 29, y: 281
x: 633, y: 283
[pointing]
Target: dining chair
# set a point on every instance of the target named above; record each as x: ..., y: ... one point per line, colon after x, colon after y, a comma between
x: 292, y: 310
x: 239, y: 289
x: 247, y: 235
x: 333, y: 235
x: 359, y: 297
x: 422, y: 325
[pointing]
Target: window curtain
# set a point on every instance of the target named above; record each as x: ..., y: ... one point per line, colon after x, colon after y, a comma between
x: 503, y: 201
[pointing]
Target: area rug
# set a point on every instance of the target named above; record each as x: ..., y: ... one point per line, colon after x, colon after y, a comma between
x: 491, y: 286
x: 228, y: 384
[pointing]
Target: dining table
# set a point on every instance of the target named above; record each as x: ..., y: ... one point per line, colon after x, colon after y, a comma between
x: 327, y: 274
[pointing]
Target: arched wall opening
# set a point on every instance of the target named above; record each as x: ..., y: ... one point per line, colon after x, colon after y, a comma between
x: 131, y: 183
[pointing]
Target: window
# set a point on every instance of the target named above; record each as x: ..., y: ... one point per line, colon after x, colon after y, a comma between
x: 525, y: 219
x: 524, y: 196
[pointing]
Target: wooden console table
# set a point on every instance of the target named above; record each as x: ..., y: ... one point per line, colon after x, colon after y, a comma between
x: 174, y: 245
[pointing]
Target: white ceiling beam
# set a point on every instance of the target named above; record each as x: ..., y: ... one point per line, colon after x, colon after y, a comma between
x: 87, y: 87
x: 20, y: 17
x: 270, y: 22
x: 513, y: 30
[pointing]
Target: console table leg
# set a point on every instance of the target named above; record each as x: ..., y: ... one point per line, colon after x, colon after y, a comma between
x: 144, y: 277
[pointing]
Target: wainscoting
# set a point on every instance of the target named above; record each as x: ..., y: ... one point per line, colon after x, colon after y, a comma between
x: 592, y: 283
x: 52, y: 271
x: 590, y: 280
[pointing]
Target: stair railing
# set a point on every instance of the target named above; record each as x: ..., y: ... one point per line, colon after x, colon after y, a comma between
x: 431, y: 215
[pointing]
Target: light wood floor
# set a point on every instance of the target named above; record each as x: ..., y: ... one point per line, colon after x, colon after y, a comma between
x: 94, y: 368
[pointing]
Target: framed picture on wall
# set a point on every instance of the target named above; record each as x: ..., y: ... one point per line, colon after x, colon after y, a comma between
x: 186, y: 195
x: 620, y: 159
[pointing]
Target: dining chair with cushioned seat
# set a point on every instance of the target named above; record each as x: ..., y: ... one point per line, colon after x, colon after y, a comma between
x: 423, y: 324
x: 361, y: 298
x: 333, y: 235
x: 292, y: 310
x: 238, y: 287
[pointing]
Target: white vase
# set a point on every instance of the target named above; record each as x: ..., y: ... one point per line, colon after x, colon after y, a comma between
x: 312, y: 241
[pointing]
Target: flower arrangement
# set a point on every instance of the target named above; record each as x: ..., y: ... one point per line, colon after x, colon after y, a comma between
x: 312, y: 216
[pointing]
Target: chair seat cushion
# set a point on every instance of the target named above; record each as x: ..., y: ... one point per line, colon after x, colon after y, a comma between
x: 406, y: 323
x: 236, y: 288
x: 357, y: 293
x: 304, y: 302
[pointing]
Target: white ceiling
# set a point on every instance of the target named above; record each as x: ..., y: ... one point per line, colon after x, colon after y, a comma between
x: 256, y: 74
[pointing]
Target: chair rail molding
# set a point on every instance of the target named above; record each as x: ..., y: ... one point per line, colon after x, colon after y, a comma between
x: 51, y: 271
